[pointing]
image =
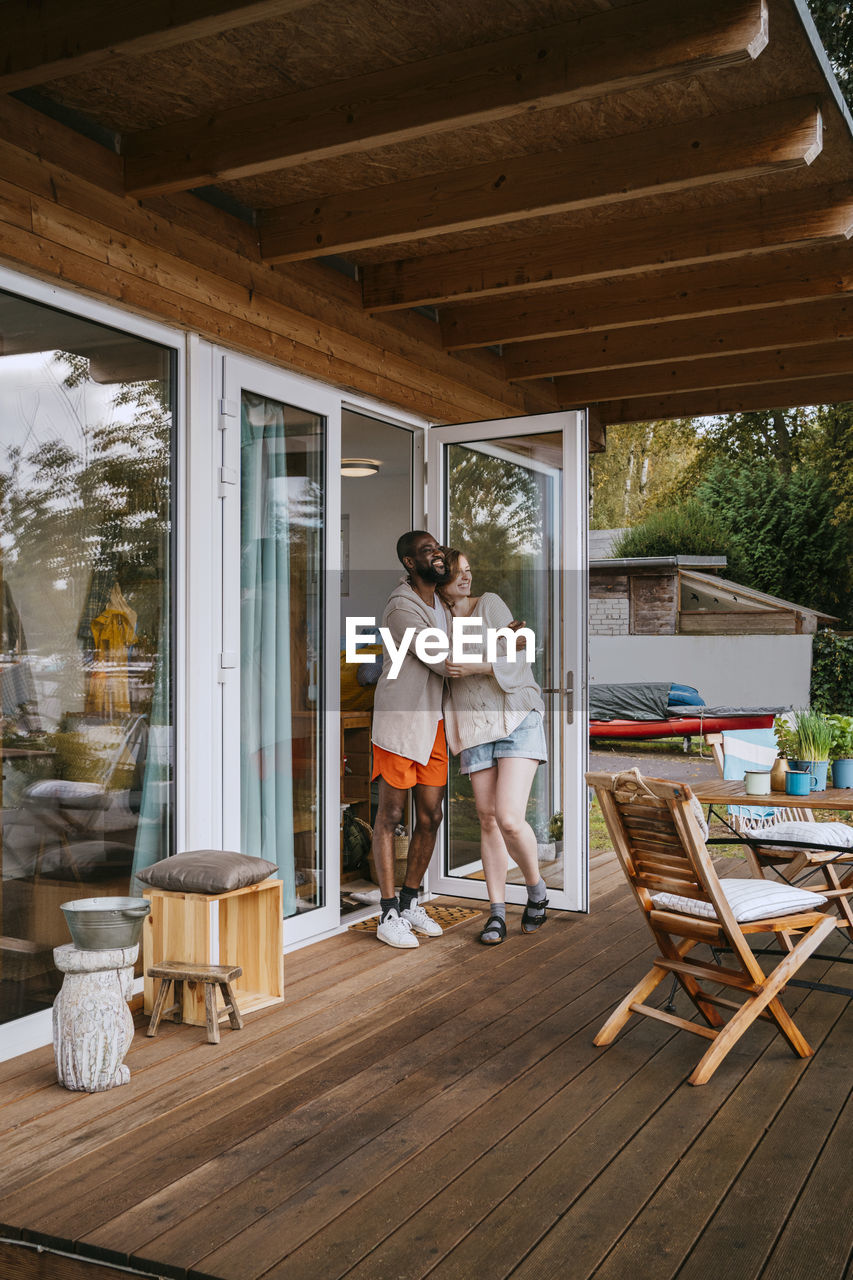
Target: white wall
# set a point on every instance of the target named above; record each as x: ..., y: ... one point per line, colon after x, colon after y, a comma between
x: 734, y: 671
x: 379, y: 509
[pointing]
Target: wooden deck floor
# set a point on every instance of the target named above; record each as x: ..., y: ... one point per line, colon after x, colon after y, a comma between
x: 444, y: 1113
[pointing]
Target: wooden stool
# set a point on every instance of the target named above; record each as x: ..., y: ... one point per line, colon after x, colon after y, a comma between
x: 213, y: 976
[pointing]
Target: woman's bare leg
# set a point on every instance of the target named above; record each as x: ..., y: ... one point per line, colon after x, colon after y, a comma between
x: 512, y: 792
x: 492, y: 847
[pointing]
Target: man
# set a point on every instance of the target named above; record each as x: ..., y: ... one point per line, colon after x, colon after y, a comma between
x: 409, y: 748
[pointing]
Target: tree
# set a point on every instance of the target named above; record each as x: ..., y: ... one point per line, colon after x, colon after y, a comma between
x: 834, y: 22
x: 782, y: 534
x: 779, y: 481
x: 88, y: 512
x: 497, y: 516
x: 642, y: 464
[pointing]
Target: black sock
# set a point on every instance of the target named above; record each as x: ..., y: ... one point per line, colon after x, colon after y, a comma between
x: 387, y: 904
x: 408, y: 897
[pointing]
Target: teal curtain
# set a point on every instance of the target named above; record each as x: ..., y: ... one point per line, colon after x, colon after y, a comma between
x: 266, y: 765
x: 153, y: 751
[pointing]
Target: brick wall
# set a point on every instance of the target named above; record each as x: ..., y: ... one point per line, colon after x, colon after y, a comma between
x: 608, y: 617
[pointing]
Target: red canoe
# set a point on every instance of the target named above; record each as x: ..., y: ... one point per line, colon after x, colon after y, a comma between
x: 677, y: 727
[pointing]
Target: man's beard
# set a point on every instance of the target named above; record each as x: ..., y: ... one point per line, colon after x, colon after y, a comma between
x: 431, y: 574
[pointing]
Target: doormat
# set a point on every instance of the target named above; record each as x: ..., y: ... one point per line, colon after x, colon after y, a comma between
x: 447, y: 917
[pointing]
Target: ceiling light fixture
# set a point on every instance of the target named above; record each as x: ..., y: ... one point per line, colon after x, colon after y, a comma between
x: 359, y: 466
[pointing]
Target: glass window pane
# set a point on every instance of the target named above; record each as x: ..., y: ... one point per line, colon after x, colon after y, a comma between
x: 282, y: 467
x: 504, y: 511
x: 86, y: 434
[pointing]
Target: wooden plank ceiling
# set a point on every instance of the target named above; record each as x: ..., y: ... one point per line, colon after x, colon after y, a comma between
x: 648, y: 203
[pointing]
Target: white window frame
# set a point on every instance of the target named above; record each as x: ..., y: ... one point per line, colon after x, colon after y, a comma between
x: 36, y: 1029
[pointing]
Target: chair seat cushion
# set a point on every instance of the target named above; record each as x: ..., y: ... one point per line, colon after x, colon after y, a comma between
x: 838, y: 835
x: 749, y: 900
x: 206, y: 871
x: 72, y: 794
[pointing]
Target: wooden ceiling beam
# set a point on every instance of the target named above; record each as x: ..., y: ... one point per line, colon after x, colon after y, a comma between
x: 828, y: 359
x: 703, y: 404
x: 769, y: 279
x: 600, y: 53
x: 765, y: 329
x: 620, y: 246
x: 740, y: 144
x: 54, y: 38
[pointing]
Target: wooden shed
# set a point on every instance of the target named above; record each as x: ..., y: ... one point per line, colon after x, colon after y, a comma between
x: 687, y: 595
x: 280, y: 279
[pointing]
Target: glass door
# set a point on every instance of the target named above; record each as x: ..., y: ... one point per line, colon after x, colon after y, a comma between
x: 512, y: 495
x: 278, y: 668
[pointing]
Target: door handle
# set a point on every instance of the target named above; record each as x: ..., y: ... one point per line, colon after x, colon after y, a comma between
x: 566, y: 691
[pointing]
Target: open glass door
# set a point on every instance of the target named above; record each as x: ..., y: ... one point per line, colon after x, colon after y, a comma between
x: 512, y: 495
x: 279, y: 656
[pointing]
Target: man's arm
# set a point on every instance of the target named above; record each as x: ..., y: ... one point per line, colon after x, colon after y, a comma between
x: 401, y: 619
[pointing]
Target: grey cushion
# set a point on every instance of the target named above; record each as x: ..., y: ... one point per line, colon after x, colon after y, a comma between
x: 206, y: 871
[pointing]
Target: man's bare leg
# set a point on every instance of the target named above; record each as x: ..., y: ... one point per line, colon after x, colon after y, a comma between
x: 429, y: 804
x: 392, y: 802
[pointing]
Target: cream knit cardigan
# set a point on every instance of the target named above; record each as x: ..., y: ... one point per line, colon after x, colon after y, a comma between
x: 485, y: 708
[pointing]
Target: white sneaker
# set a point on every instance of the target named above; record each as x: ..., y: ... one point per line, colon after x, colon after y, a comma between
x: 417, y: 919
x: 396, y: 931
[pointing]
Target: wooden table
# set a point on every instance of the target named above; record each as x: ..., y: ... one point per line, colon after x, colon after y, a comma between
x: 716, y: 792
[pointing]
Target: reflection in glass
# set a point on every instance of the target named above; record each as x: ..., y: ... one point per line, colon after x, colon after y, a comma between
x: 504, y: 505
x: 281, y: 554
x: 86, y: 747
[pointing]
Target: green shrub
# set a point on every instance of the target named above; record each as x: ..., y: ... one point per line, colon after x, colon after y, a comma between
x: 689, y: 529
x: 832, y: 673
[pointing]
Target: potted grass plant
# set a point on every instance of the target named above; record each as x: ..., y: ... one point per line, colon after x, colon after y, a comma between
x: 841, y: 751
x: 813, y: 735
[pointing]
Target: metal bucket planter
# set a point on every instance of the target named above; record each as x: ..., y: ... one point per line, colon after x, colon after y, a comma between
x: 99, y: 924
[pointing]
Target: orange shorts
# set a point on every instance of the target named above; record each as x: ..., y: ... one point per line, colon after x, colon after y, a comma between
x: 404, y: 773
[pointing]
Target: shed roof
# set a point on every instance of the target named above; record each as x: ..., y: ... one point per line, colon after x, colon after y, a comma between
x: 708, y: 592
x: 646, y: 206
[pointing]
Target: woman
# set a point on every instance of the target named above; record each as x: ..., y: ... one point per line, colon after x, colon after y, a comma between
x: 494, y: 722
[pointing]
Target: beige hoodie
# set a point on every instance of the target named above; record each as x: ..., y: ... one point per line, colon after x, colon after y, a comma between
x: 406, y: 711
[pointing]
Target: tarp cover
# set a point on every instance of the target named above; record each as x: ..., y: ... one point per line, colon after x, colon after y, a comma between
x: 647, y: 701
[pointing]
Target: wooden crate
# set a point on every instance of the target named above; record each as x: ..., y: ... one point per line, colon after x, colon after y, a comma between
x: 243, y: 927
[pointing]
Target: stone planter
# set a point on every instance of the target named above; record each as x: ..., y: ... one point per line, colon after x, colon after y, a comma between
x: 92, y: 1025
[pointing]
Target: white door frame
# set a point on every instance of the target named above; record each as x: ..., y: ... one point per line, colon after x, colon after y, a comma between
x: 239, y: 373
x: 231, y: 372
x: 575, y: 893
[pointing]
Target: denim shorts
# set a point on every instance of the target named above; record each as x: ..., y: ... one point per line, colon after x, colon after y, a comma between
x: 527, y: 741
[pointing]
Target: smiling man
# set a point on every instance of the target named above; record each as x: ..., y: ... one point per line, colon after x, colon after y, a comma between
x: 409, y: 749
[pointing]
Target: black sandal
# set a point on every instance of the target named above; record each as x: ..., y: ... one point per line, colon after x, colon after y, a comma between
x: 489, y: 927
x: 530, y: 923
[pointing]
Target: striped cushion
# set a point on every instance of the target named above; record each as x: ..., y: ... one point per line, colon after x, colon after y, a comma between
x: 837, y: 834
x: 748, y: 899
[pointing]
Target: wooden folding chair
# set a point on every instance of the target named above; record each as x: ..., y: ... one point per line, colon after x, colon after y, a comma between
x: 813, y: 860
x: 656, y: 832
